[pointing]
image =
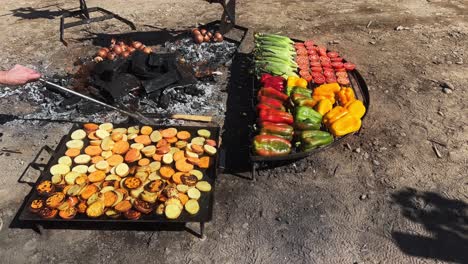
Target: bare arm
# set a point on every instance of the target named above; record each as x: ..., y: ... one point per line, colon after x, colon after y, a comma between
x: 18, y: 75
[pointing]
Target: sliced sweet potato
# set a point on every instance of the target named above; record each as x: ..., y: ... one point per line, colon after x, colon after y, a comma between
x: 178, y: 155
x: 166, y: 172
x: 176, y: 177
x: 132, y: 155
x: 172, y: 140
x: 88, y: 190
x: 109, y: 198
x: 97, y: 176
x: 81, y: 179
x: 96, y: 159
x: 123, y: 206
x: 193, y: 161
x: 169, y: 132
x: 115, y: 160
x: 146, y: 130
x: 163, y: 149
x: 143, y: 139
x: 183, y: 166
x: 90, y: 127
x: 210, y: 142
x: 181, y: 144
x: 183, y: 135
x: 161, y: 143
x: 204, y: 162
x: 92, y: 136
x: 197, y: 149
x: 157, y: 157
x: 72, y: 152
x: 144, y: 162
x: 116, y: 136
x: 93, y: 150
x: 121, y: 147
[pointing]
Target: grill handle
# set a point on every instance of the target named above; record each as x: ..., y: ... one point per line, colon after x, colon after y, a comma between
x: 37, y: 166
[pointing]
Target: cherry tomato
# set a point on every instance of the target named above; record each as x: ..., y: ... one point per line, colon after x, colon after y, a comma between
x: 337, y: 59
x: 308, y: 78
x: 314, y: 58
x: 337, y: 64
x: 324, y: 58
x: 319, y: 80
x: 311, y: 52
x: 316, y: 69
x: 322, y: 51
x: 301, y: 52
x: 343, y: 81
x: 349, y: 66
x: 332, y: 54
x: 326, y: 64
x: 329, y: 74
x: 317, y: 75
x: 304, y: 72
x: 299, y: 45
x: 303, y: 66
x: 309, y: 42
x: 315, y: 64
x: 302, y: 60
x: 342, y: 74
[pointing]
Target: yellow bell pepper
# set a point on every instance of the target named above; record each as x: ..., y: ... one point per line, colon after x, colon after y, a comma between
x: 356, y: 108
x: 324, y: 106
x: 336, y: 113
x: 296, y: 81
x: 346, y: 95
x: 345, y: 125
x: 322, y: 97
x: 331, y: 87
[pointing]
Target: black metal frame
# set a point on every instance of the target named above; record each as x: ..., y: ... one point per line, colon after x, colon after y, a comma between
x: 360, y: 89
x: 228, y: 18
x: 25, y: 218
x: 83, y: 13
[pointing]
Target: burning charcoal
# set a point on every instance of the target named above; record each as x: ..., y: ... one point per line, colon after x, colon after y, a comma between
x: 193, y: 90
x: 164, y: 101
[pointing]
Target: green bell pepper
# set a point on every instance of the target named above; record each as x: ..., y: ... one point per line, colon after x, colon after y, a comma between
x: 312, y: 139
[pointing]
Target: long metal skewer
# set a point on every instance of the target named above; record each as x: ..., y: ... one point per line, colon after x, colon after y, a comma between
x: 136, y: 115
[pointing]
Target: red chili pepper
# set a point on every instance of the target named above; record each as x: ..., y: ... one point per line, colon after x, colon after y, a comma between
x: 276, y: 116
x: 273, y: 93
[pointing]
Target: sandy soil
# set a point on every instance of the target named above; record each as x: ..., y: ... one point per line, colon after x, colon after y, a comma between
x: 386, y: 197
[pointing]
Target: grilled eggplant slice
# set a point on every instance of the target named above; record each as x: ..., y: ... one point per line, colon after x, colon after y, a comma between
x: 68, y: 213
x: 132, y: 215
x: 36, y: 205
x: 55, y: 200
x: 47, y: 213
x: 45, y: 188
x: 143, y: 206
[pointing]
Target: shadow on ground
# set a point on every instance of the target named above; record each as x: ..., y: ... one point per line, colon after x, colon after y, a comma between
x: 445, y: 219
x: 36, y: 13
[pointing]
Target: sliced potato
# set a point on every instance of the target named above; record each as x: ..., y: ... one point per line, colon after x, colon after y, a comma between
x: 136, y: 192
x: 112, y: 170
x: 124, y: 137
x: 204, y: 133
x: 97, y: 196
x: 74, y: 190
x: 102, y: 134
x: 71, y: 177
x: 154, y: 176
x: 210, y: 150
x: 160, y: 209
x: 75, y: 144
x: 57, y: 178
x: 107, y: 189
x: 120, y: 197
x: 106, y: 126
x: 112, y: 177
x: 175, y: 201
x: 149, y: 197
x: 107, y: 143
x: 192, y: 206
x: 197, y: 174
x: 92, y: 168
x: 167, y: 158
x: 172, y: 211
x: 96, y: 142
x: 203, y: 186
x: 102, y: 165
x: 137, y: 146
x: 142, y: 175
x: 154, y: 166
x: 112, y: 213
x: 122, y: 169
x: 78, y: 134
x: 132, y: 136
x: 181, y: 144
x: 106, y: 154
x: 149, y: 151
x: 82, y: 159
x: 174, y: 150
x: 65, y: 160
x: 190, y: 154
x: 198, y: 140
x: 182, y: 188
x: 193, y: 193
x: 133, y: 130
x: 155, y: 136
x: 82, y: 169
x: 60, y: 169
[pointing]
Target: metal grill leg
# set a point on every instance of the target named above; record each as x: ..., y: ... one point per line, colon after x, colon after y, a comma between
x: 202, y: 230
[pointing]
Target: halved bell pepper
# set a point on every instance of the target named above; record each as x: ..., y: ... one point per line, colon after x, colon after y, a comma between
x: 294, y: 81
x: 262, y: 106
x: 309, y: 102
x: 275, y: 82
x: 307, y: 118
x: 272, y: 93
x: 301, y: 90
x: 266, y: 123
x: 321, y: 97
x: 356, y: 108
x: 345, y: 125
x: 273, y: 103
x: 276, y: 116
x: 284, y: 131
x: 324, y: 106
x: 312, y: 139
x: 329, y: 87
x: 268, y: 145
x: 346, y: 95
x: 306, y: 125
x: 336, y: 113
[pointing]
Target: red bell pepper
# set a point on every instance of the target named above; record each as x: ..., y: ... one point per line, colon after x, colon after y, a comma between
x: 276, y: 116
x: 284, y: 131
x: 275, y: 82
x: 262, y: 106
x: 266, y: 123
x: 272, y: 93
x: 273, y: 103
x: 265, y: 76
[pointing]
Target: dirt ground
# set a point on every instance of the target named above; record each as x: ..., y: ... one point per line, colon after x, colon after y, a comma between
x: 384, y: 197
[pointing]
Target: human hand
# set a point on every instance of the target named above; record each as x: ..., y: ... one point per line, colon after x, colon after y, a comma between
x: 19, y: 75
